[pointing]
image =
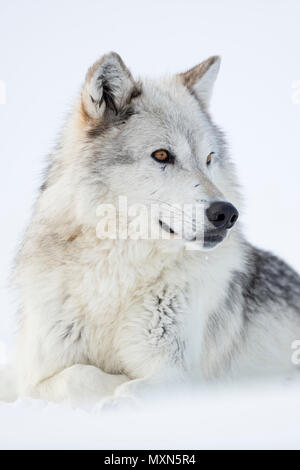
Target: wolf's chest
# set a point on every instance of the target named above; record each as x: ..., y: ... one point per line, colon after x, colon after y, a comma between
x: 137, y: 315
x: 132, y: 321
x: 164, y: 326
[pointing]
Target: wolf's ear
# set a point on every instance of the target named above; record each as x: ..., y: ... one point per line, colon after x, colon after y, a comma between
x: 108, y: 87
x: 201, y: 78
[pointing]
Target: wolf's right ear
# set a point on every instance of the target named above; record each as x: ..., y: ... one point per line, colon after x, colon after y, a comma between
x: 201, y: 79
x: 108, y: 87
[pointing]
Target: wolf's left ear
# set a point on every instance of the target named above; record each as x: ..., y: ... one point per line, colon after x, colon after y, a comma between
x: 201, y: 78
x: 108, y: 88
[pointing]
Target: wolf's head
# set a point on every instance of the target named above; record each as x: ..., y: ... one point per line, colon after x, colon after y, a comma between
x: 155, y: 143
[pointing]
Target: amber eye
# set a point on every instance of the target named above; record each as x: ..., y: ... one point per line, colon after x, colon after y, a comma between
x: 163, y: 156
x: 209, y: 158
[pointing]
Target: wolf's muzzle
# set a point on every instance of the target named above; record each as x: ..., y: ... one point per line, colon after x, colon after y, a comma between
x: 222, y: 215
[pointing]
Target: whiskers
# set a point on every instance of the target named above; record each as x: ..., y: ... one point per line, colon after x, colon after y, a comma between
x: 186, y: 217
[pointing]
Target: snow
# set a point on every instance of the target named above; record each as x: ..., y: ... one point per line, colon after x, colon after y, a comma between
x: 247, y: 417
x: 45, y: 49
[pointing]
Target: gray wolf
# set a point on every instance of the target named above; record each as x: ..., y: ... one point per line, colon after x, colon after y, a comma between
x: 111, y: 318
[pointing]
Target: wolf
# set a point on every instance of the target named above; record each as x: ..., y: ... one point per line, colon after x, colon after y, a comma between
x: 109, y: 318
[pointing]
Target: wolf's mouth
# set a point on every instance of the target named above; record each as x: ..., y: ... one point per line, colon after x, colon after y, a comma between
x: 166, y: 227
x: 213, y: 237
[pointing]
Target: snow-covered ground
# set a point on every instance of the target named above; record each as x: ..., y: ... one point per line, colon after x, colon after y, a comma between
x: 248, y: 417
x: 45, y: 49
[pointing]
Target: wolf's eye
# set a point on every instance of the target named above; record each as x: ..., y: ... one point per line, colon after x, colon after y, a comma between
x: 163, y: 156
x: 209, y: 158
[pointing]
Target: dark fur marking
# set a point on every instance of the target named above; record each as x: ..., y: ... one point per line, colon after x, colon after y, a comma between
x: 113, y: 116
x: 136, y: 92
x: 272, y: 280
x: 44, y: 186
x: 107, y: 95
x: 79, y: 336
x: 267, y: 280
x: 98, y: 128
x: 46, y: 172
x: 165, y: 327
x: 69, y: 332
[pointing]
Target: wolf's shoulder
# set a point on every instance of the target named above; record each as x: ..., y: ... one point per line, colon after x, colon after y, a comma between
x: 266, y: 280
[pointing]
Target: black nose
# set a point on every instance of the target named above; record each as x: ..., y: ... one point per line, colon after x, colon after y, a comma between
x: 222, y: 214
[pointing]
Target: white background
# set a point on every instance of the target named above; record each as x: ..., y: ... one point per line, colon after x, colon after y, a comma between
x: 46, y: 47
